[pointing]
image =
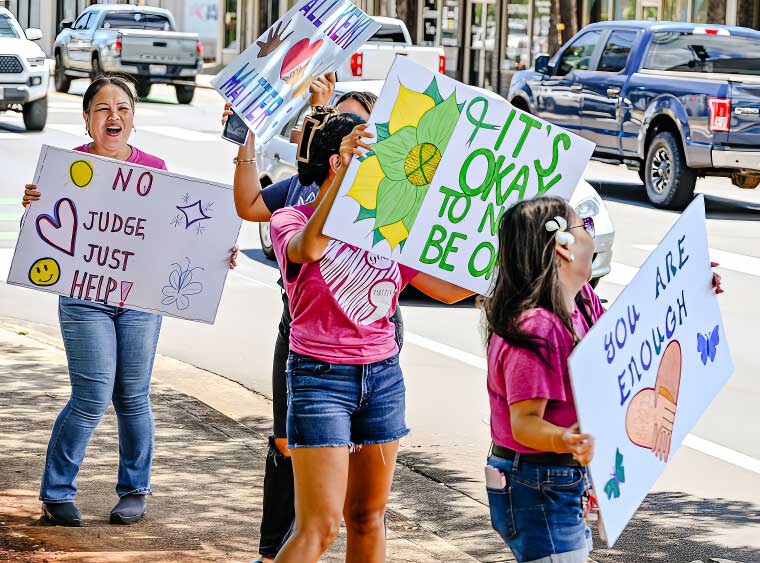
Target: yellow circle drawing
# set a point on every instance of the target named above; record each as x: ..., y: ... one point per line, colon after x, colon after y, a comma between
x: 44, y: 272
x: 81, y: 173
x: 421, y: 163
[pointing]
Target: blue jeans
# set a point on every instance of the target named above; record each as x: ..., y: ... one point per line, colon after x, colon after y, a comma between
x: 344, y: 405
x: 539, y: 514
x: 110, y: 353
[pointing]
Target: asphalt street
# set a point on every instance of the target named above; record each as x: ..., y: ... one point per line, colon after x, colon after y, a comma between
x: 706, y: 505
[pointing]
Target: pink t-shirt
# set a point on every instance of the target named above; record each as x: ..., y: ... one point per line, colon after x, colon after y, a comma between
x: 137, y: 157
x: 516, y: 374
x: 341, y: 304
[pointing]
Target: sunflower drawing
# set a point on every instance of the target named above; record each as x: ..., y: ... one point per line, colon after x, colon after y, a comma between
x: 394, y: 177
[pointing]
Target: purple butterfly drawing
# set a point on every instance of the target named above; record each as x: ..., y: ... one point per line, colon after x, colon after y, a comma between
x: 181, y: 286
x: 707, y: 344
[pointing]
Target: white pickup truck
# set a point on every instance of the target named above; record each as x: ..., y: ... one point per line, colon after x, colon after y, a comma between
x: 24, y: 72
x: 375, y: 57
x: 137, y: 40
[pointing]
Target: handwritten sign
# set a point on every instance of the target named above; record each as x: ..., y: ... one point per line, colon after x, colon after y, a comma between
x: 269, y: 82
x: 447, y: 161
x: 648, y: 369
x: 117, y: 233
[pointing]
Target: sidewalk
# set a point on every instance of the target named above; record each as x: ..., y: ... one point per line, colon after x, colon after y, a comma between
x: 207, y: 474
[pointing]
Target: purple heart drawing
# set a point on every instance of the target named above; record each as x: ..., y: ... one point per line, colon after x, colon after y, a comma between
x: 60, y: 230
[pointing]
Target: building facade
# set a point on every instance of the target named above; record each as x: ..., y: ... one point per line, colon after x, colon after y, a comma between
x: 485, y: 41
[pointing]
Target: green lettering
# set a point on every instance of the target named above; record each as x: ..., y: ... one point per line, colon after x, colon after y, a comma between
x: 479, y: 122
x: 530, y: 123
x: 504, y: 130
x: 490, y: 217
x: 448, y: 193
x: 542, y: 172
x: 485, y: 186
x: 488, y: 269
x: 435, y: 239
x: 450, y: 249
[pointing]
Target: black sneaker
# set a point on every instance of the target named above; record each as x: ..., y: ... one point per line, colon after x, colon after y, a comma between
x: 61, y: 514
x: 129, y: 509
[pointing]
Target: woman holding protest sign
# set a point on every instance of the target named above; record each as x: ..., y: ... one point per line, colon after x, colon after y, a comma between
x: 110, y: 350
x: 540, y: 308
x: 255, y: 203
x: 346, y: 403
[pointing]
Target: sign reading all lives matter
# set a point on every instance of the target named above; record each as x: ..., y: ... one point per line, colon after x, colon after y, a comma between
x: 447, y: 161
x: 268, y: 83
x: 649, y: 367
x: 118, y: 233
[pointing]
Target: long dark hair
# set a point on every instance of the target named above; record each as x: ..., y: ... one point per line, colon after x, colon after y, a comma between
x: 325, y: 143
x: 527, y: 276
x: 105, y: 79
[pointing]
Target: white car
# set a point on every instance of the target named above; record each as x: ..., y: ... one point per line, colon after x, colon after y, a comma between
x: 277, y: 161
x: 24, y: 72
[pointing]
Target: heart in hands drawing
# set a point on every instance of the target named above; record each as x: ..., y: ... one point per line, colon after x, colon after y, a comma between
x: 652, y: 411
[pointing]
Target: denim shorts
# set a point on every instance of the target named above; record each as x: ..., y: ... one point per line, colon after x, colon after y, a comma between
x: 539, y: 514
x: 344, y: 405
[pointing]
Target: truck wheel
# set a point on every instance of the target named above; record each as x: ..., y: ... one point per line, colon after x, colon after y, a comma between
x: 184, y: 93
x: 62, y: 82
x: 96, y: 68
x: 668, y: 180
x: 35, y: 114
x: 745, y: 181
x: 143, y: 88
x: 266, y: 241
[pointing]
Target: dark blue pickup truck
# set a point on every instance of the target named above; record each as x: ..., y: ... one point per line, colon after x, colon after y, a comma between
x: 674, y: 101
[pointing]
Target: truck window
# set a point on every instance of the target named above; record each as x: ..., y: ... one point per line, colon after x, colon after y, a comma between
x: 615, y: 54
x: 81, y: 23
x: 137, y: 20
x: 389, y: 33
x: 689, y: 52
x: 578, y: 55
x: 6, y: 28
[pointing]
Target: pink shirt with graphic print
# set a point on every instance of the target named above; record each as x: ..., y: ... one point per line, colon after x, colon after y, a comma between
x: 517, y: 374
x: 341, y: 304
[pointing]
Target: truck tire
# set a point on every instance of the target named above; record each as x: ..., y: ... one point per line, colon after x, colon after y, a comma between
x: 745, y: 181
x: 669, y: 181
x: 35, y: 114
x: 184, y: 93
x: 266, y: 240
x: 143, y: 88
x: 62, y: 82
x: 96, y: 68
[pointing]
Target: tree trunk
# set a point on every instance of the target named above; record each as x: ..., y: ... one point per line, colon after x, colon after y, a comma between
x: 563, y: 23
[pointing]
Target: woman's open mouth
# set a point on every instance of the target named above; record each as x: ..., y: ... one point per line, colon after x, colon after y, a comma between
x: 113, y: 131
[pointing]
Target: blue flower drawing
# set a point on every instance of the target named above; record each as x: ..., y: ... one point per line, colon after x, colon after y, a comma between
x: 181, y: 286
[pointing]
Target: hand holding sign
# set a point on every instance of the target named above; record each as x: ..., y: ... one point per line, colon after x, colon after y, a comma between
x: 273, y: 40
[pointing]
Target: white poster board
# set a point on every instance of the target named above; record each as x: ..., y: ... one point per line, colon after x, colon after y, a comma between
x: 126, y: 235
x: 268, y: 83
x: 447, y: 161
x: 649, y: 367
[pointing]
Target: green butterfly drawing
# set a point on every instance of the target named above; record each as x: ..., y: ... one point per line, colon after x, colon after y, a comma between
x: 612, y: 488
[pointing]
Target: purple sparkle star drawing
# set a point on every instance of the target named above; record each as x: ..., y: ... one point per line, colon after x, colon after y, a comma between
x: 193, y: 213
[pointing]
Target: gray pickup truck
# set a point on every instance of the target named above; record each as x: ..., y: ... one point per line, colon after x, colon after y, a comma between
x: 137, y: 40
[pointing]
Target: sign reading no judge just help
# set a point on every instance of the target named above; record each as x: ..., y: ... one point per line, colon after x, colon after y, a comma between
x: 447, y: 161
x: 649, y: 367
x: 113, y: 232
x: 269, y: 82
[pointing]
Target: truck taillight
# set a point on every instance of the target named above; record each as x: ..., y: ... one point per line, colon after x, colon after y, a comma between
x: 199, y: 49
x: 357, y: 64
x: 720, y: 114
x: 442, y: 64
x: 118, y: 43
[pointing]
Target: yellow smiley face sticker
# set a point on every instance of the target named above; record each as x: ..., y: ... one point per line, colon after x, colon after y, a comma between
x: 44, y: 272
x: 81, y: 172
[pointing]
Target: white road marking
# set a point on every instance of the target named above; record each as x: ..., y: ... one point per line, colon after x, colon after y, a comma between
x: 70, y: 129
x: 728, y: 260
x: 10, y: 136
x: 181, y: 133
x: 620, y: 274
x: 446, y: 350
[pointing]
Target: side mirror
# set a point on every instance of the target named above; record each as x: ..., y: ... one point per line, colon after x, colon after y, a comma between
x: 33, y: 34
x: 542, y: 64
x: 65, y: 24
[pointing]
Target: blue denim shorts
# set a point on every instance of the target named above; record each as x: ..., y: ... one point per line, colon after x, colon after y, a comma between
x: 344, y: 405
x: 539, y: 514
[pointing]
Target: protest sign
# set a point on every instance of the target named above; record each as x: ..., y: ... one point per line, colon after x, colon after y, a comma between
x: 447, y: 161
x: 649, y: 367
x: 269, y: 82
x: 118, y: 233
